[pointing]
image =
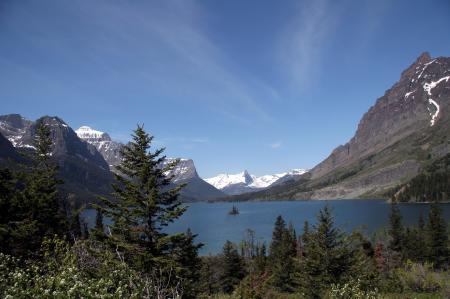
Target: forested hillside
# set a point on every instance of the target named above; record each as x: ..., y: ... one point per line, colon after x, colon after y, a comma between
x: 433, y: 183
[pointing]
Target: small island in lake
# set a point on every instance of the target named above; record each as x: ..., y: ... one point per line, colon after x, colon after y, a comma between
x: 234, y: 211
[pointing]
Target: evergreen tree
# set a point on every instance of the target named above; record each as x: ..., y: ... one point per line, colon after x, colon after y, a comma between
x: 34, y: 210
x: 437, y: 240
x: 233, y: 268
x: 7, y: 197
x: 99, y: 219
x: 396, y: 230
x: 185, y: 255
x: 327, y: 259
x: 75, y: 226
x: 282, y: 253
x: 260, y: 259
x: 143, y: 205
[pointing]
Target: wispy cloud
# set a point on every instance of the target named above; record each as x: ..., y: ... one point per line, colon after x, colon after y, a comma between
x: 179, y: 59
x: 304, y: 40
x: 276, y: 144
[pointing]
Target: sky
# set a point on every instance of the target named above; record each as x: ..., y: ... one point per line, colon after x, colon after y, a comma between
x: 260, y: 85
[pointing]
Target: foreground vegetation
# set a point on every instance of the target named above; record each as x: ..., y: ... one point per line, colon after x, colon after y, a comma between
x: 47, y: 252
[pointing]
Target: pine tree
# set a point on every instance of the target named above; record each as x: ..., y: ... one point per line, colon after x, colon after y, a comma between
x: 327, y: 259
x: 282, y: 253
x: 437, y: 240
x: 185, y: 255
x: 36, y: 209
x: 99, y: 219
x: 75, y: 226
x: 396, y: 230
x: 7, y: 197
x: 260, y: 259
x: 144, y: 204
x: 233, y: 268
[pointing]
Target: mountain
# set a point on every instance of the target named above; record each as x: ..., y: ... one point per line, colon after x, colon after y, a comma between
x: 406, y: 130
x: 109, y: 149
x: 82, y: 168
x: 8, y: 154
x: 196, y: 188
x: 233, y: 184
x: 183, y: 173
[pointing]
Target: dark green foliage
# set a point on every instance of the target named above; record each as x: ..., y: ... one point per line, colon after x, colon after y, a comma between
x: 328, y: 258
x: 185, y: 255
x: 396, y: 230
x: 233, y: 268
x: 210, y: 275
x: 437, y: 238
x: 143, y: 205
x: 281, y: 257
x: 432, y: 184
x: 7, y: 189
x: 32, y: 204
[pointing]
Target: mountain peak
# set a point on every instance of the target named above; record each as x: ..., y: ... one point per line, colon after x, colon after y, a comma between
x: 423, y: 58
x: 89, y: 134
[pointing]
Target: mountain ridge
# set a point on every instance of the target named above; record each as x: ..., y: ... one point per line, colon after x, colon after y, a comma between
x: 403, y: 131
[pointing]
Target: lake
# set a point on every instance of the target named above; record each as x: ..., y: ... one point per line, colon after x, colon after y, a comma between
x: 214, y: 225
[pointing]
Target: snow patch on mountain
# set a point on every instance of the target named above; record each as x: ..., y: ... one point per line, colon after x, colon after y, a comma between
x: 109, y: 149
x: 244, y: 182
x: 428, y: 87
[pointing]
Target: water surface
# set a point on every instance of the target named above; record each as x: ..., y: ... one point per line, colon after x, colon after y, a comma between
x: 214, y: 225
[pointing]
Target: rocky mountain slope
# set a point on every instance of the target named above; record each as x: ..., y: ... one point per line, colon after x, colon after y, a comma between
x: 406, y: 129
x: 84, y: 171
x: 86, y: 158
x: 196, y: 189
x: 234, y: 184
x: 184, y: 172
x: 109, y: 149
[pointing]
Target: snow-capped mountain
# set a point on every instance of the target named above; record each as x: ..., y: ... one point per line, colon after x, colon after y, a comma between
x: 244, y: 182
x: 183, y: 172
x: 82, y: 168
x: 17, y: 129
x: 109, y: 149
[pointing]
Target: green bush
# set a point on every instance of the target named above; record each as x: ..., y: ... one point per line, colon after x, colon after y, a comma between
x: 422, y: 278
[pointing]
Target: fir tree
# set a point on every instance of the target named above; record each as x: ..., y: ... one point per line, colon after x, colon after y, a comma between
x: 99, y: 219
x: 144, y: 204
x: 396, y: 230
x: 233, y: 268
x: 282, y: 252
x: 327, y: 257
x: 437, y: 240
x: 185, y: 255
x: 7, y: 197
x: 36, y: 209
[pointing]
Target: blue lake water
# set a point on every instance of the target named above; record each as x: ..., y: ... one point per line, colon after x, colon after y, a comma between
x: 214, y: 225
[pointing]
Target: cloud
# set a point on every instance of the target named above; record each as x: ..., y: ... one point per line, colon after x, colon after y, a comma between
x: 304, y: 40
x: 179, y: 59
x: 276, y: 144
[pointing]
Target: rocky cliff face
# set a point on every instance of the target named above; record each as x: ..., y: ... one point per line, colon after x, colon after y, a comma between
x: 196, y: 189
x: 406, y: 129
x: 405, y: 108
x: 82, y: 168
x: 183, y: 173
x: 109, y: 149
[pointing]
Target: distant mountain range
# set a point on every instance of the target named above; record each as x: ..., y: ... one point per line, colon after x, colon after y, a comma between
x: 233, y: 184
x: 83, y: 169
x: 87, y: 158
x: 406, y: 130
x: 405, y: 133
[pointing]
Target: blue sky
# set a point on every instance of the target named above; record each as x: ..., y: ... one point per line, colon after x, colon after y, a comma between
x: 258, y: 85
